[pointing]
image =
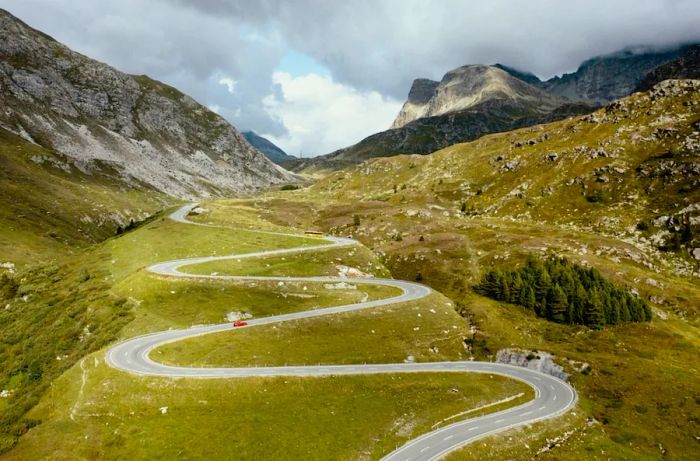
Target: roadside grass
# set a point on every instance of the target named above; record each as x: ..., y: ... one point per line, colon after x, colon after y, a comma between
x: 51, y: 316
x: 306, y: 263
x: 119, y: 416
x: 428, y: 329
x: 260, y: 212
x: 164, y: 240
x: 165, y: 302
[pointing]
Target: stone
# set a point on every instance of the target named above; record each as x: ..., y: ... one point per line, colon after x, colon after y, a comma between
x: 696, y: 253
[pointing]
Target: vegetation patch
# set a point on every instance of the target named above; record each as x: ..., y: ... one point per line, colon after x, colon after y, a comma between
x: 563, y: 292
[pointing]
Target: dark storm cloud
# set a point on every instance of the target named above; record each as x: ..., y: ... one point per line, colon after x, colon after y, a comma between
x: 366, y: 44
x: 189, y: 50
x: 384, y: 45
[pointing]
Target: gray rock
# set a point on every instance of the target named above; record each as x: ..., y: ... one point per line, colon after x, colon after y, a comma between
x: 540, y: 361
x: 144, y: 132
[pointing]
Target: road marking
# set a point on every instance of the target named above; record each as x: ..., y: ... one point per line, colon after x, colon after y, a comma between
x: 425, y: 449
x: 499, y: 421
x: 473, y: 428
x: 526, y: 413
x: 448, y: 437
x: 542, y: 408
x: 554, y: 398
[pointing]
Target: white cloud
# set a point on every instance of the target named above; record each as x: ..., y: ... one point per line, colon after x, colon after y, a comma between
x: 214, y: 108
x: 321, y: 115
x: 229, y: 83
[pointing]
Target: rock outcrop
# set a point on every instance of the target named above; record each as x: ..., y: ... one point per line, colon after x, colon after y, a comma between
x: 605, y: 78
x: 469, y: 86
x: 685, y: 66
x: 144, y: 132
x: 416, y: 106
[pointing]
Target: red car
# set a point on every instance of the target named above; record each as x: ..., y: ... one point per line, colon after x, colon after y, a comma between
x: 239, y: 323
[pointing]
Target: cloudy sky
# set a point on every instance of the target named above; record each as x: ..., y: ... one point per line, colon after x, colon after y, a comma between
x: 317, y: 75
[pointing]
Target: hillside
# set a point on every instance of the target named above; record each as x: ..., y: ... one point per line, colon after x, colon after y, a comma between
x: 148, y: 132
x: 639, y: 154
x: 50, y: 208
x: 615, y: 191
x: 270, y: 150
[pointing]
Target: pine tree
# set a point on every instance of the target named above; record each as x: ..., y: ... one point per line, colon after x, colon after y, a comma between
x: 530, y: 300
x: 557, y: 305
x: 593, y: 314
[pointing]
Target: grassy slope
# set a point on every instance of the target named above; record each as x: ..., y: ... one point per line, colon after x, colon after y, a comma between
x: 643, y: 388
x: 94, y: 411
x: 46, y: 211
x: 57, y: 307
x: 647, y: 173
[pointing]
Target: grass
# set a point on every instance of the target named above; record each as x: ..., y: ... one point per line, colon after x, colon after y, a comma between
x: 324, y: 262
x: 93, y: 411
x: 164, y: 240
x: 171, y: 302
x: 429, y: 330
x: 49, y: 210
x: 117, y: 415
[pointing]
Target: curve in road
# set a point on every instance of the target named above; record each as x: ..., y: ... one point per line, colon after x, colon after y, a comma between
x: 553, y: 396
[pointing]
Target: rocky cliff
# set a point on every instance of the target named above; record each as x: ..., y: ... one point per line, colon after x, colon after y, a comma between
x: 685, y: 66
x: 470, y: 86
x: 467, y: 103
x: 416, y: 106
x: 613, y: 76
x: 148, y: 133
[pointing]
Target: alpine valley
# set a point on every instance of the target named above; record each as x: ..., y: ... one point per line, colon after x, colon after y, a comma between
x: 511, y: 270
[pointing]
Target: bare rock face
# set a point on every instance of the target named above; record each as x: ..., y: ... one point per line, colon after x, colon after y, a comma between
x: 470, y: 86
x: 606, y: 78
x: 146, y: 133
x: 416, y: 106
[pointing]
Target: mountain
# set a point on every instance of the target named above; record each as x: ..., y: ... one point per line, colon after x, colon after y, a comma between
x: 270, y: 150
x: 416, y: 106
x: 148, y: 133
x: 686, y: 65
x: 527, y: 77
x: 467, y: 103
x: 631, y: 169
x: 612, y: 76
x: 469, y: 86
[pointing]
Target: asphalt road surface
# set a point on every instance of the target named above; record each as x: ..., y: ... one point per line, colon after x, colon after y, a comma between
x: 553, y: 396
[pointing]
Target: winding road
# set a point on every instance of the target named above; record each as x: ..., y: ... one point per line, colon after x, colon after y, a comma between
x: 553, y: 396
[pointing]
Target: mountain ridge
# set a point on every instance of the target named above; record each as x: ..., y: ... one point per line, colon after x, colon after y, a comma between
x: 268, y: 148
x: 151, y: 133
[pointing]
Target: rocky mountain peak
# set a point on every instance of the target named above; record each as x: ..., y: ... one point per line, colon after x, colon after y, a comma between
x: 422, y: 90
x: 468, y: 86
x: 149, y: 133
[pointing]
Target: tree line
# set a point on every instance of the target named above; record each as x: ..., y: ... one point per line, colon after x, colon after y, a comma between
x: 563, y: 292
